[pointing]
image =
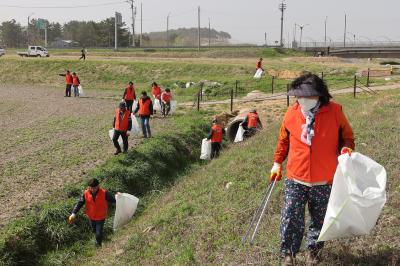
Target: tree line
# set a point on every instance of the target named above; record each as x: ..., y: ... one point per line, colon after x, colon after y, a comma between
x: 101, y: 34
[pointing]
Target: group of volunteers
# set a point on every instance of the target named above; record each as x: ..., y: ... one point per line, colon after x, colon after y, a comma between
x: 314, y: 132
x: 71, y: 81
x: 145, y: 109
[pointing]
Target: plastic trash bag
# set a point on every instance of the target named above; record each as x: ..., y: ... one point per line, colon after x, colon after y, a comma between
x: 135, y: 126
x: 81, y: 93
x: 126, y: 205
x: 239, y: 134
x: 173, y: 107
x: 258, y: 73
x: 357, y: 197
x: 111, y: 134
x: 205, y: 149
x: 134, y: 105
x: 157, y: 105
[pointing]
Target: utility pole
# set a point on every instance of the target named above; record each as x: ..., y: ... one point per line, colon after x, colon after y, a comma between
x: 265, y: 39
x: 198, y: 21
x: 326, y: 18
x: 141, y: 23
x: 45, y: 34
x: 118, y: 21
x: 209, y: 33
x: 167, y: 29
x: 133, y: 8
x: 345, y: 29
x: 27, y: 29
x: 282, y: 7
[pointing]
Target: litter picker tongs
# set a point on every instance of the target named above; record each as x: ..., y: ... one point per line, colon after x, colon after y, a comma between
x: 259, y: 213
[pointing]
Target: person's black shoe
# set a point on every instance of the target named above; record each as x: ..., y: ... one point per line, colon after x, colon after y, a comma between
x: 117, y: 152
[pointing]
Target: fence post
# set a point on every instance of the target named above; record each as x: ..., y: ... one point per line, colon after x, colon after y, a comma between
x: 198, y: 101
x: 272, y: 84
x: 231, y: 100
x: 236, y: 87
x: 368, y: 78
x: 355, y: 86
x: 201, y: 91
x: 287, y: 96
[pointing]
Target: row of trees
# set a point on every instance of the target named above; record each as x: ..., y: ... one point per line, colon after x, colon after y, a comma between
x: 94, y: 34
x: 101, y: 34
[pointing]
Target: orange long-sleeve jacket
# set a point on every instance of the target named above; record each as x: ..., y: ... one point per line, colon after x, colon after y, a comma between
x: 315, y: 164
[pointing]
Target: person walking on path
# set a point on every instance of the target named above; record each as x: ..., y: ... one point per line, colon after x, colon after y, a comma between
x: 122, y: 124
x: 156, y: 92
x: 96, y: 200
x: 166, y: 97
x: 75, y: 83
x: 251, y: 123
x: 129, y: 96
x: 68, y: 82
x: 145, y: 109
x: 314, y: 132
x: 83, y: 54
x: 215, y: 135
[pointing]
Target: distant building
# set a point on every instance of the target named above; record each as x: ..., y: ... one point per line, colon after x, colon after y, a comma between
x: 64, y: 44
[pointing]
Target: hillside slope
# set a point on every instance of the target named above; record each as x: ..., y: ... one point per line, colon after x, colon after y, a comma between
x: 201, y: 222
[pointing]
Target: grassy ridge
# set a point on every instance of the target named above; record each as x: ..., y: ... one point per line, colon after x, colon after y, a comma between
x: 201, y: 222
x: 153, y: 165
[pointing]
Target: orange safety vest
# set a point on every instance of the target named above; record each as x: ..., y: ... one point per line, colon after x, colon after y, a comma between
x: 252, y: 120
x: 75, y: 81
x: 121, y: 124
x: 144, y: 107
x: 259, y: 64
x: 68, y: 79
x: 156, y: 91
x: 166, y: 97
x: 97, y: 209
x: 216, y: 133
x: 129, y: 93
x: 316, y: 163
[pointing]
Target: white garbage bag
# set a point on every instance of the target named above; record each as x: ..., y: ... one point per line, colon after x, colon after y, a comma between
x: 134, y: 105
x: 126, y: 205
x: 173, y: 107
x: 111, y: 134
x: 81, y: 93
x: 239, y: 134
x: 357, y: 197
x: 205, y: 149
x: 258, y: 73
x: 157, y: 105
x: 135, y: 126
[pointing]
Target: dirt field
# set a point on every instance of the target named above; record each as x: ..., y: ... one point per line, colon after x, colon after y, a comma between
x: 48, y: 141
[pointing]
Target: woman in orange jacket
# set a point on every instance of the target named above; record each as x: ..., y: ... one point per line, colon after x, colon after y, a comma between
x: 313, y: 134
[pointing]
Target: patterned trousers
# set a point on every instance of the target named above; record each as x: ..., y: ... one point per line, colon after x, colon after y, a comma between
x: 293, y: 213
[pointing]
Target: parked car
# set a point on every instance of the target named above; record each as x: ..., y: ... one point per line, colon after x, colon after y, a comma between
x: 35, y: 51
x: 2, y: 51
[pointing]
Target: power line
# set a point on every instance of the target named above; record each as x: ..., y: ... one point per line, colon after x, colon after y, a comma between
x: 62, y: 7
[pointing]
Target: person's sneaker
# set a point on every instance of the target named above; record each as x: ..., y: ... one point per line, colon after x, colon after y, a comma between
x: 117, y: 152
x: 288, y: 260
x: 313, y: 257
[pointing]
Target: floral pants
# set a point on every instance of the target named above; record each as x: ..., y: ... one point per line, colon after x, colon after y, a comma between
x: 293, y: 213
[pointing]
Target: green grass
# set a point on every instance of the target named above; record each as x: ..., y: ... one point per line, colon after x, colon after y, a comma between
x: 200, y: 222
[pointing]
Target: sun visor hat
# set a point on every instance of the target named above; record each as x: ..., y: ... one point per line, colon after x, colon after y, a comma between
x: 303, y: 90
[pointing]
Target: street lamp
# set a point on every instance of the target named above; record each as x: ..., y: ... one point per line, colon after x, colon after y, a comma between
x: 167, y: 29
x: 301, y: 32
x: 27, y: 29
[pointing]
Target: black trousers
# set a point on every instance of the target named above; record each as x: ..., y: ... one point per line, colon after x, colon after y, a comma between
x: 83, y: 56
x: 165, y: 108
x: 68, y: 90
x: 215, y: 148
x: 97, y: 229
x: 129, y: 104
x: 118, y: 133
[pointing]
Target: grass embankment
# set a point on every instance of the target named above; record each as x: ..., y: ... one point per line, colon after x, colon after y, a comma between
x: 201, y: 222
x: 150, y: 167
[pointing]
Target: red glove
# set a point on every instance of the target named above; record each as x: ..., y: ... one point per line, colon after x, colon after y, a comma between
x: 346, y: 150
x: 276, y: 172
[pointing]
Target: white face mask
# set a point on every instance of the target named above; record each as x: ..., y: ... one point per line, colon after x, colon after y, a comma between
x: 307, y: 104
